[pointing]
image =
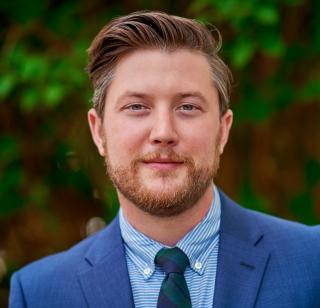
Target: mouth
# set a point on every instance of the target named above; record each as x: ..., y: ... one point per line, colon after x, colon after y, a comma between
x: 162, y: 164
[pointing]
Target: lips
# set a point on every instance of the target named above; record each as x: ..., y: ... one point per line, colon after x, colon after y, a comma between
x: 163, y: 163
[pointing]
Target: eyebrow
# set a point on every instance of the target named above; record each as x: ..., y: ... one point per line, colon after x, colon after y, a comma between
x: 132, y: 94
x: 180, y: 95
x: 195, y: 94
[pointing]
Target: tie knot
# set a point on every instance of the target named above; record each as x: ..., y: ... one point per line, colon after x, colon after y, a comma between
x: 172, y: 260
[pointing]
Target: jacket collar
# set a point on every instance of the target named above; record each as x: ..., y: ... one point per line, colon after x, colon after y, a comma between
x: 106, y: 283
x: 242, y: 257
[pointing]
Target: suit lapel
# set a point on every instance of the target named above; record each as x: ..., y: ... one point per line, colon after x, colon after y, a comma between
x: 242, y: 257
x: 106, y: 283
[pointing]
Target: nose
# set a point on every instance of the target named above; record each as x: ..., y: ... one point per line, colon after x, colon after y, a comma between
x: 163, y: 130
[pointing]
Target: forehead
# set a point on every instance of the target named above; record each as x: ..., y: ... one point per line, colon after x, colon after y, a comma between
x: 164, y: 70
x: 169, y: 58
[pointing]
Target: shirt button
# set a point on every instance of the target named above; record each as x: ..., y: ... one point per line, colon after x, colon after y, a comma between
x: 147, y: 271
x: 198, y: 265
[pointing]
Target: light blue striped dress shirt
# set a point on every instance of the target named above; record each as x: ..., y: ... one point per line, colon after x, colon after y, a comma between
x: 201, y: 247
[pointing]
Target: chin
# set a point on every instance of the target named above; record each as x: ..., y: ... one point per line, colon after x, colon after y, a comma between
x: 163, y: 184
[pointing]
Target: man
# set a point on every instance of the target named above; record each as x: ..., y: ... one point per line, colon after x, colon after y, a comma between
x: 161, y: 120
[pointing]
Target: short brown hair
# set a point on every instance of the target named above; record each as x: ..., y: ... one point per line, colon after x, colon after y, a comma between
x: 152, y: 30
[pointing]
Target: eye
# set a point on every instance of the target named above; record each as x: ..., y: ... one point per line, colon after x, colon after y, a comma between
x: 188, y: 107
x: 136, y: 107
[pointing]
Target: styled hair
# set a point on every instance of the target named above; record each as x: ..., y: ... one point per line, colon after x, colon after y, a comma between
x: 153, y: 30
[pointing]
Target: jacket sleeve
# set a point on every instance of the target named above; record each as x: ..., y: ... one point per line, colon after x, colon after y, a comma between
x: 16, y: 298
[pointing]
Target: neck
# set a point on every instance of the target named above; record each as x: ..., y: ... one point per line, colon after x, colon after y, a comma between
x: 164, y: 230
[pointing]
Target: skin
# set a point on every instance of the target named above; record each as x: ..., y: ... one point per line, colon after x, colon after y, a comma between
x: 164, y: 103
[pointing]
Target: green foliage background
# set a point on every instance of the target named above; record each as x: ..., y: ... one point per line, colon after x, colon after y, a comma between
x: 51, y: 178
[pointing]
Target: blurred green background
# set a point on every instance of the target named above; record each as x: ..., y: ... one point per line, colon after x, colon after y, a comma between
x: 52, y: 181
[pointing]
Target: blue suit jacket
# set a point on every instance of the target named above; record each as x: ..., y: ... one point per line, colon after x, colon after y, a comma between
x: 263, y: 261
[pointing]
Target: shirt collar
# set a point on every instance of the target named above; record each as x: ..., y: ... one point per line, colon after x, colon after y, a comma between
x: 196, y: 244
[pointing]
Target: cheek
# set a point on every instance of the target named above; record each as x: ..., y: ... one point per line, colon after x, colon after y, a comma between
x: 200, y: 139
x: 124, y: 140
x: 202, y: 149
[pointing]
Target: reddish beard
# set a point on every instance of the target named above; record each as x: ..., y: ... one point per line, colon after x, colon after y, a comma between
x: 164, y: 203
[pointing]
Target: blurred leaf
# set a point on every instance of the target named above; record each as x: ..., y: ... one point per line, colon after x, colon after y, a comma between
x: 302, y: 206
x: 53, y: 94
x: 242, y: 52
x: 33, y: 67
x: 10, y: 198
x: 228, y: 7
x: 271, y: 43
x: 250, y: 199
x: 64, y: 19
x: 39, y: 194
x: 7, y: 83
x: 285, y: 96
x: 29, y: 99
x: 267, y: 15
x: 312, y: 171
x: 311, y: 90
x: 253, y: 107
x: 111, y: 203
x: 293, y: 2
x: 8, y: 150
x: 23, y: 11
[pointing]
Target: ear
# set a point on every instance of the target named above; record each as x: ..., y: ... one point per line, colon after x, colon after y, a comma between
x: 96, y: 129
x: 226, y: 123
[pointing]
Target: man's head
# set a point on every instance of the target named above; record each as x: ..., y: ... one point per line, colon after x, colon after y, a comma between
x: 153, y: 30
x: 160, y: 116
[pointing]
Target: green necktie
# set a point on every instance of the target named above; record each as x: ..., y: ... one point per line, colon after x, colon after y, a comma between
x: 174, y: 291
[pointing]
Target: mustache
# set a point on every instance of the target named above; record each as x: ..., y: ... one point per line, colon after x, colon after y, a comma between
x: 170, y: 155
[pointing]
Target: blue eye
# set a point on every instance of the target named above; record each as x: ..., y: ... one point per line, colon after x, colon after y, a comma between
x: 188, y: 107
x: 136, y: 107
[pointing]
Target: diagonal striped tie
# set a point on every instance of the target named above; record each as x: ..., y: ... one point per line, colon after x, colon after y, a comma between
x: 174, y: 291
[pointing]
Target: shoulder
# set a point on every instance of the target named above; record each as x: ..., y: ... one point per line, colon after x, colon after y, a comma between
x: 291, y: 251
x: 47, y: 270
x: 293, y: 269
x: 71, y: 259
x: 274, y: 230
x: 282, y: 230
x: 57, y: 275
